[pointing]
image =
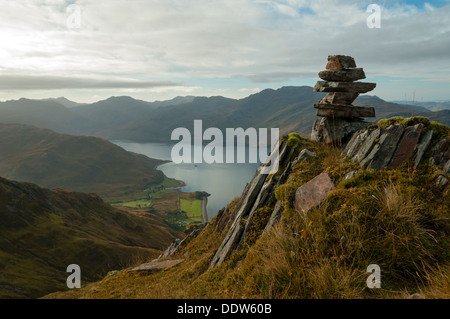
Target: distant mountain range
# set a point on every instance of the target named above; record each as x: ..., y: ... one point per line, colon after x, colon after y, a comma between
x: 430, y: 106
x: 125, y: 118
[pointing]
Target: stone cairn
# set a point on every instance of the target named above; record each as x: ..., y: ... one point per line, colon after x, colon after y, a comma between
x: 339, y: 118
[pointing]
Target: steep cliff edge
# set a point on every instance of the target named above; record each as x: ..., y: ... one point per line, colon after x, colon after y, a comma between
x: 384, y: 200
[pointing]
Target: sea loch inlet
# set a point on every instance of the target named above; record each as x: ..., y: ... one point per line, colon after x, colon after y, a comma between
x: 213, y: 152
x: 223, y: 181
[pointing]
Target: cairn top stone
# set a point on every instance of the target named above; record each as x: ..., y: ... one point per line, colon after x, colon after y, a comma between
x: 340, y: 62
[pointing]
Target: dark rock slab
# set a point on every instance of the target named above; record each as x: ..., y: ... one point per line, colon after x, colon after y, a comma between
x: 233, y: 237
x: 340, y: 62
x: 266, y: 197
x: 312, y: 193
x: 355, y: 87
x: 348, y: 75
x: 439, y: 152
x: 304, y: 154
x: 353, y: 145
x: 157, y: 265
x: 178, y: 244
x: 344, y: 111
x: 350, y: 175
x: 335, y: 130
x: 274, y: 217
x: 258, y: 192
x: 383, y: 151
x: 366, y: 145
x: 425, y: 141
x: 441, y: 182
x: 407, y: 145
x: 446, y: 167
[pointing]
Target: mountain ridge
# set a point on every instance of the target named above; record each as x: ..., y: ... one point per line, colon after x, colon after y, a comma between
x: 77, y: 163
x: 290, y: 108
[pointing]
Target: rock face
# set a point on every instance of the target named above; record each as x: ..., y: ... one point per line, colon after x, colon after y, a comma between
x: 382, y: 152
x: 390, y: 146
x: 260, y: 192
x: 424, y: 142
x: 304, y: 154
x: 373, y: 148
x: 313, y: 192
x: 407, y: 145
x: 339, y: 118
x: 157, y: 265
x: 441, y: 181
x: 440, y: 153
x: 335, y: 130
x: 177, y: 244
x: 446, y: 167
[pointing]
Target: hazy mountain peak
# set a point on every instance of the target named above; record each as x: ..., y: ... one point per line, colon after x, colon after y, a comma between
x: 63, y: 101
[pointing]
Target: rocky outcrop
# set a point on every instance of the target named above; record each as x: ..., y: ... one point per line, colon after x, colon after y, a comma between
x: 335, y: 130
x: 376, y: 148
x: 382, y: 151
x: 259, y: 193
x: 177, y: 244
x: 440, y: 152
x: 154, y: 266
x: 446, y: 167
x: 304, y: 154
x: 423, y: 145
x: 274, y: 217
x: 407, y: 145
x: 441, y: 181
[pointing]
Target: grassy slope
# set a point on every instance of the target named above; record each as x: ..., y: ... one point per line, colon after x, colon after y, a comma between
x: 44, y: 231
x: 395, y: 218
x: 75, y: 163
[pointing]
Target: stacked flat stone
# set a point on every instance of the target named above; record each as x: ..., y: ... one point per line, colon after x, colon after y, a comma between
x: 339, y: 82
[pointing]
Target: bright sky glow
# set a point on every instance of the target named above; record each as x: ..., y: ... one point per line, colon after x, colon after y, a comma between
x: 159, y: 49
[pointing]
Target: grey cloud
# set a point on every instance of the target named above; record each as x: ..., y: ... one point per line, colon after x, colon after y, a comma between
x: 28, y: 82
x: 271, y: 77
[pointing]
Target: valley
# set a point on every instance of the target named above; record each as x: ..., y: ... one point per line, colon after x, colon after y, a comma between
x: 109, y: 196
x: 67, y: 218
x: 42, y: 231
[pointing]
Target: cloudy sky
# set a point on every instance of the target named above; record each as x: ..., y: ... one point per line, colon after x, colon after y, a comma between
x: 87, y: 50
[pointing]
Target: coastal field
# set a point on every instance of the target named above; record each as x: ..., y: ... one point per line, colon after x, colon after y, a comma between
x: 181, y: 209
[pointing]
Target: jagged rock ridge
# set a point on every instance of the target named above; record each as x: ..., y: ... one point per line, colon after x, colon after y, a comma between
x: 374, y: 148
